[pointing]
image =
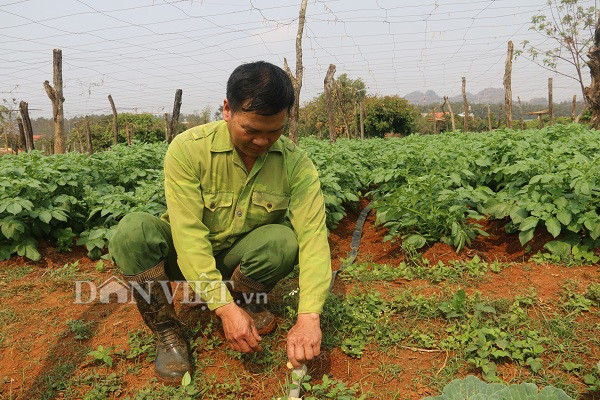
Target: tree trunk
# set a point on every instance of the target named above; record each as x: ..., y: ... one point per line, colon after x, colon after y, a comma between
x: 127, y: 134
x: 24, y: 107
x: 167, y: 128
x: 465, y: 104
x: 521, y: 111
x: 355, y: 121
x: 175, y: 115
x: 115, y: 120
x: 592, y: 92
x: 88, y: 136
x: 339, y: 99
x: 550, y: 103
x: 499, y: 118
x: 56, y: 96
x: 22, y: 141
x: 362, y: 120
x: 446, y: 102
x: 5, y: 129
x: 573, y: 105
x: 329, y: 100
x: 296, y: 80
x: 507, y: 85
x: 489, y: 118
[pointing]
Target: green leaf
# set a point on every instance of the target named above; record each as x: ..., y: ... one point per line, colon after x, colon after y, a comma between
x: 553, y: 226
x: 59, y: 215
x: 415, y: 241
x: 595, y: 232
x: 529, y: 223
x: 526, y: 236
x: 518, y: 215
x: 11, y: 228
x: 559, y: 248
x: 45, y: 216
x: 564, y: 217
x: 14, y: 208
x: 186, y: 380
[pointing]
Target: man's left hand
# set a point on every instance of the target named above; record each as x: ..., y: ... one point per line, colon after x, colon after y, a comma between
x: 304, y: 339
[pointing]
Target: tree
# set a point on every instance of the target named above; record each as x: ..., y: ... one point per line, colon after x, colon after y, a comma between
x: 313, y: 115
x: 389, y: 114
x: 199, y: 117
x: 570, y: 27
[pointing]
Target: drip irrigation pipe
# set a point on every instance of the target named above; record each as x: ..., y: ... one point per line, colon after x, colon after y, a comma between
x: 356, y: 236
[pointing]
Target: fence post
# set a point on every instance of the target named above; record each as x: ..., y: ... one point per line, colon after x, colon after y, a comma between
x: 175, y: 116
x: 24, y: 107
x: 507, y: 85
x: 465, y: 104
x: 550, y: 103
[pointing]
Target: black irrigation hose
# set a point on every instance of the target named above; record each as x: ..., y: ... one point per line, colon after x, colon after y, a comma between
x: 356, y: 236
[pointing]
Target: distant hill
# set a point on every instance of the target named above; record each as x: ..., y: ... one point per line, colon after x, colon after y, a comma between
x: 420, y: 98
x: 486, y: 96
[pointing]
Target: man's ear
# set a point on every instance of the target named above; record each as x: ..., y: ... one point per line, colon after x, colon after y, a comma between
x: 226, y: 111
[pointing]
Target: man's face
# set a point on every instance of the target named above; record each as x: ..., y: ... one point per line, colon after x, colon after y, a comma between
x: 252, y: 134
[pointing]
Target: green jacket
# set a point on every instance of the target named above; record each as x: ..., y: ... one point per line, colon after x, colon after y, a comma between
x: 212, y: 200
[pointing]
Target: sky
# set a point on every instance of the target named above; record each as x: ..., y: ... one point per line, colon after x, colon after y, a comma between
x: 141, y: 51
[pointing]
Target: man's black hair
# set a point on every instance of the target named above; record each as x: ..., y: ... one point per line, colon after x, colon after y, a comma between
x: 260, y: 87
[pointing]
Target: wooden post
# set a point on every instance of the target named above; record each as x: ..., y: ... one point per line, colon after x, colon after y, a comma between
x: 115, y: 120
x: 24, y: 108
x: 5, y: 129
x: 507, y: 85
x: 446, y: 102
x: 355, y: 119
x: 175, y: 115
x: 541, y: 121
x: 339, y: 99
x: 499, y: 118
x: 573, y: 105
x: 296, y: 80
x: 362, y: 120
x: 56, y: 96
x: 465, y: 104
x: 128, y: 133
x: 521, y: 111
x: 167, y: 128
x: 550, y: 103
x: 22, y: 141
x: 88, y: 136
x: 329, y: 100
x: 435, y: 131
x: 489, y: 115
x: 80, y: 142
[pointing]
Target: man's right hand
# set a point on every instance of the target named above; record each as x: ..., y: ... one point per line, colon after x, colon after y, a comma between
x: 240, y: 332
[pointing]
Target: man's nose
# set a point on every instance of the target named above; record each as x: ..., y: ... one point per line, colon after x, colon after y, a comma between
x: 261, y: 141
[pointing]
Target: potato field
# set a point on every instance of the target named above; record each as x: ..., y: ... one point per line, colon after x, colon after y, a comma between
x: 477, y: 273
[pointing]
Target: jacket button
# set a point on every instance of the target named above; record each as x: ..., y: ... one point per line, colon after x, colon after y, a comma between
x: 269, y: 205
x: 212, y: 205
x: 239, y: 213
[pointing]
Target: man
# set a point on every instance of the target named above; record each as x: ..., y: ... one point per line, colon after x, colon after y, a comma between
x: 229, y: 186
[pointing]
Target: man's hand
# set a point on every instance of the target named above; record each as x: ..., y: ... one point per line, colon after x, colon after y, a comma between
x: 240, y: 332
x: 304, y: 339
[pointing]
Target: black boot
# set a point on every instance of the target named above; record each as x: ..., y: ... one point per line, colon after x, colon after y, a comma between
x: 172, y: 354
x: 245, y: 293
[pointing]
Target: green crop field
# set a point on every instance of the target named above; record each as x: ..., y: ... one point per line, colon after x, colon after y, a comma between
x: 402, y: 328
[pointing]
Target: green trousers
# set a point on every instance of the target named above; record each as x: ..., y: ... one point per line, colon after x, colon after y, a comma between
x: 265, y: 255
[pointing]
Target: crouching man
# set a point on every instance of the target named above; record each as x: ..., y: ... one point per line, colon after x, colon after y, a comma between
x: 229, y: 186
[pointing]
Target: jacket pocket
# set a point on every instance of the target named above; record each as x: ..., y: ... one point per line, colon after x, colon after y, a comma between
x: 217, y: 210
x: 268, y: 208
